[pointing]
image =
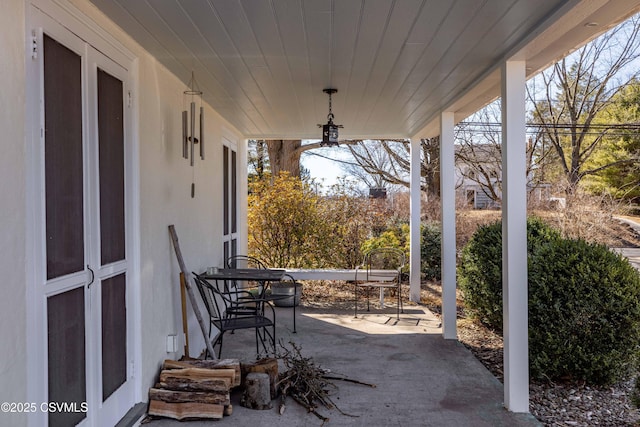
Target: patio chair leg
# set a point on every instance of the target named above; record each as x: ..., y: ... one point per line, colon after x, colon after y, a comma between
x: 355, y: 300
x: 206, y: 353
x: 258, y: 340
x: 262, y: 337
x: 295, y: 294
x: 218, y: 341
x: 272, y: 338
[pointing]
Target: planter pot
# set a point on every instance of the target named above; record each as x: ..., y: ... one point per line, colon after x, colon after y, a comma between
x: 283, y: 289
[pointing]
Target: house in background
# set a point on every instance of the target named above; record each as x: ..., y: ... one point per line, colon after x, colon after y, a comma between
x: 478, y: 177
x: 92, y: 170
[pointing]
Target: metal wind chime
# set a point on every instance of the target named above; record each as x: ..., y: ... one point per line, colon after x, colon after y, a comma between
x: 192, y: 96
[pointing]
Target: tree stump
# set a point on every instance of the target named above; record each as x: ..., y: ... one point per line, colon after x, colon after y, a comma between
x: 268, y: 366
x: 257, y: 394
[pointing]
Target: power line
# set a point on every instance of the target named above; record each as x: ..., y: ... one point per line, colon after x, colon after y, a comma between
x: 311, y: 153
x: 625, y: 126
x: 610, y: 129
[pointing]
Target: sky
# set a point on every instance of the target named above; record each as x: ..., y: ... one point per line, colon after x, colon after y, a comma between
x: 321, y: 167
x: 324, y: 170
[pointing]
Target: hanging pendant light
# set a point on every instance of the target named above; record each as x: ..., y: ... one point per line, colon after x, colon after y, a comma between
x: 330, y: 130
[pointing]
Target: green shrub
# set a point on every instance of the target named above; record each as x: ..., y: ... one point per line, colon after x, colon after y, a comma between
x: 480, y: 268
x: 480, y: 275
x: 393, y: 237
x: 398, y: 237
x: 430, y: 254
x: 584, y: 302
x: 584, y: 312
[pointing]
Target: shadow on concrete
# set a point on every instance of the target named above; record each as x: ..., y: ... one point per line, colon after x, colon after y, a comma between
x: 421, y: 379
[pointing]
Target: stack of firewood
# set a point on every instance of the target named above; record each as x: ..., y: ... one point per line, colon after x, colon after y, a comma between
x: 194, y: 389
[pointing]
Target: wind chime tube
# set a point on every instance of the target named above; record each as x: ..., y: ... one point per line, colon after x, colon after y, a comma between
x: 185, y: 136
x: 193, y: 129
x: 202, y: 133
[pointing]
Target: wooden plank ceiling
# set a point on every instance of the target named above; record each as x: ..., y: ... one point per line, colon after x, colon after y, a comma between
x: 263, y: 64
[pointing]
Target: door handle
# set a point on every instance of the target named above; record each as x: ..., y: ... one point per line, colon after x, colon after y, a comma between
x: 93, y: 276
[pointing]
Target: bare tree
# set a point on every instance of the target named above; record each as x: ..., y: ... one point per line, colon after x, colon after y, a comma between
x: 388, y: 162
x: 375, y: 156
x: 576, y: 89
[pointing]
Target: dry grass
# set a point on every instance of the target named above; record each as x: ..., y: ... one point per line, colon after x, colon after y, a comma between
x: 327, y: 294
x: 589, y: 223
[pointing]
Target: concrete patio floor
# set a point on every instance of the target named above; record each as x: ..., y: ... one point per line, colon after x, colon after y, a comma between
x: 421, y: 379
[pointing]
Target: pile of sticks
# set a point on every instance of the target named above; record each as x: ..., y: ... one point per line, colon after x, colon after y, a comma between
x: 194, y: 389
x: 307, y: 383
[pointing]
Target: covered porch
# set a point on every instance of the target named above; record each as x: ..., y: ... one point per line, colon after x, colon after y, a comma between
x: 405, y: 69
x: 420, y: 379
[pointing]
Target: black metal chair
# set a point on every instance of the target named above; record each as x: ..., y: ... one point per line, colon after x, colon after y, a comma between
x: 285, y: 293
x: 246, y: 301
x: 381, y: 269
x: 263, y: 290
x: 246, y: 261
x: 225, y: 314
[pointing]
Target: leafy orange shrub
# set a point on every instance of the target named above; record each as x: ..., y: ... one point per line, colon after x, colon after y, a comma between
x: 290, y: 225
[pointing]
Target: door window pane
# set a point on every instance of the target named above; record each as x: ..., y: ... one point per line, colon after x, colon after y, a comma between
x: 114, y: 334
x: 234, y: 193
x: 63, y: 160
x: 111, y: 164
x: 66, y: 355
x: 225, y: 188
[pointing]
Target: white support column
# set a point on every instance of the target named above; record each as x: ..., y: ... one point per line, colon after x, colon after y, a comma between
x: 414, y: 223
x: 448, y: 225
x: 514, y: 238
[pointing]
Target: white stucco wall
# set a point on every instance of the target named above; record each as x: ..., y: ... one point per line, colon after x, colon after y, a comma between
x: 12, y: 219
x: 165, y: 198
x: 163, y: 188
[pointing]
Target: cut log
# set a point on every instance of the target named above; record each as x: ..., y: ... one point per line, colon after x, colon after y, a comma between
x: 173, y: 396
x: 197, y: 379
x: 267, y: 366
x: 207, y: 364
x: 182, y: 411
x: 194, y: 389
x: 256, y: 394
